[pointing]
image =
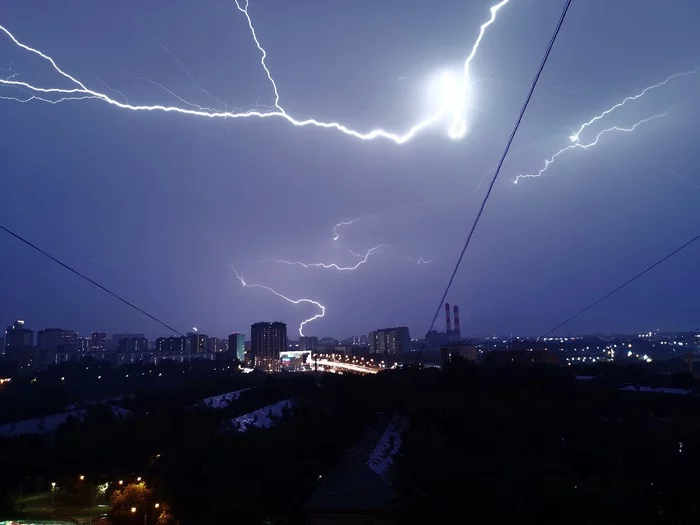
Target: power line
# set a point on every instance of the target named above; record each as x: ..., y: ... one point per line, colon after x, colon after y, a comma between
x: 500, y: 163
x: 91, y: 281
x: 629, y: 281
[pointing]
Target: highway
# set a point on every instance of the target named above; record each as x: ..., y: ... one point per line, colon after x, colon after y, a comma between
x: 341, y: 365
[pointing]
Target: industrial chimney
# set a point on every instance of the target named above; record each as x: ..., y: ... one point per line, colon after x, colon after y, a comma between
x: 458, y: 334
x: 448, y: 323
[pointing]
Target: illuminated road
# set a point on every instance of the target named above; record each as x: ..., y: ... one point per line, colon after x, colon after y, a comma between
x: 353, y: 367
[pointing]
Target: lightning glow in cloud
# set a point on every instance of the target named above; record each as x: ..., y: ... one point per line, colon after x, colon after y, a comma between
x: 293, y: 301
x: 550, y: 160
x: 454, y: 103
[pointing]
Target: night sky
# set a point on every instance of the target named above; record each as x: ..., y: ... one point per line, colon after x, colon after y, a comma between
x: 159, y: 206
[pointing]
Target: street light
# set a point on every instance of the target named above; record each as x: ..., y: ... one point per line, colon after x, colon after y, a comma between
x: 121, y: 481
x: 133, y: 510
x: 91, y: 488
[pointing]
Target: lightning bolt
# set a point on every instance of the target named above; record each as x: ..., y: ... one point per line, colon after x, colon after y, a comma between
x: 31, y: 98
x: 454, y: 104
x: 550, y: 160
x: 458, y: 128
x: 293, y: 301
x: 420, y: 260
x: 330, y: 266
x: 575, y: 136
x: 336, y: 236
x: 263, y: 53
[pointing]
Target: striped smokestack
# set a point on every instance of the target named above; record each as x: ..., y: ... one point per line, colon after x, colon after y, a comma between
x: 457, y: 329
x: 448, y: 322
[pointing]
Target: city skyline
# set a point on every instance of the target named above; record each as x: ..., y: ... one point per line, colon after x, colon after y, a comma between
x: 159, y: 207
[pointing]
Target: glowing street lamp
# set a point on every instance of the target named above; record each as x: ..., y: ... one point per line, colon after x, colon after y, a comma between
x: 133, y: 510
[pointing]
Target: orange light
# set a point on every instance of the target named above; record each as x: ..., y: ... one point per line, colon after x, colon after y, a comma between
x: 82, y: 477
x: 157, y: 505
x: 133, y: 509
x: 121, y: 481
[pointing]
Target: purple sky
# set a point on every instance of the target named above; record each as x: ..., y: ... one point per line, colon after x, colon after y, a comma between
x: 158, y: 206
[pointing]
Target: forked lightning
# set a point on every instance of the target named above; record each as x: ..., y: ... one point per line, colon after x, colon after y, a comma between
x: 575, y: 138
x: 453, y: 105
x: 293, y: 301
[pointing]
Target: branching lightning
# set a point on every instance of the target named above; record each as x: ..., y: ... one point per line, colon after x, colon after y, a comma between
x: 189, y: 75
x: 454, y: 103
x: 328, y: 266
x: 575, y: 137
x: 550, y: 160
x: 293, y: 301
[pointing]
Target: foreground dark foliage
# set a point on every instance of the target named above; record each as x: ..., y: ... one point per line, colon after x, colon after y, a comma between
x: 514, y: 444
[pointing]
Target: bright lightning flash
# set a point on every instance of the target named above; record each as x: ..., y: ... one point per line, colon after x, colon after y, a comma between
x: 575, y: 138
x: 293, y: 301
x: 454, y: 103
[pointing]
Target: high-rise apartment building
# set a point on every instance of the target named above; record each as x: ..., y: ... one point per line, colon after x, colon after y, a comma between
x: 197, y: 343
x: 171, y: 345
x: 83, y: 345
x: 98, y: 341
x: 113, y: 343
x: 388, y: 341
x: 268, y: 340
x: 132, y: 344
x: 18, y: 336
x: 236, y: 345
x: 308, y: 343
x: 70, y: 340
x: 50, y: 339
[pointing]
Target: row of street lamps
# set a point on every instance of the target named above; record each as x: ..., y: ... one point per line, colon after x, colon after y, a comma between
x: 81, y: 477
x: 145, y: 512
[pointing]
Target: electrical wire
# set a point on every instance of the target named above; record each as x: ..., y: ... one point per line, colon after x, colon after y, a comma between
x: 629, y: 281
x: 500, y: 165
x: 88, y: 279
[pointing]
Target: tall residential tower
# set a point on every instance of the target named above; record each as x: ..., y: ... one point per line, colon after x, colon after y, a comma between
x: 268, y: 340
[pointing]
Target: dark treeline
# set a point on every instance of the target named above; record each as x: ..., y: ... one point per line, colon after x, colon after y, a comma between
x: 507, y: 444
x: 52, y: 390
